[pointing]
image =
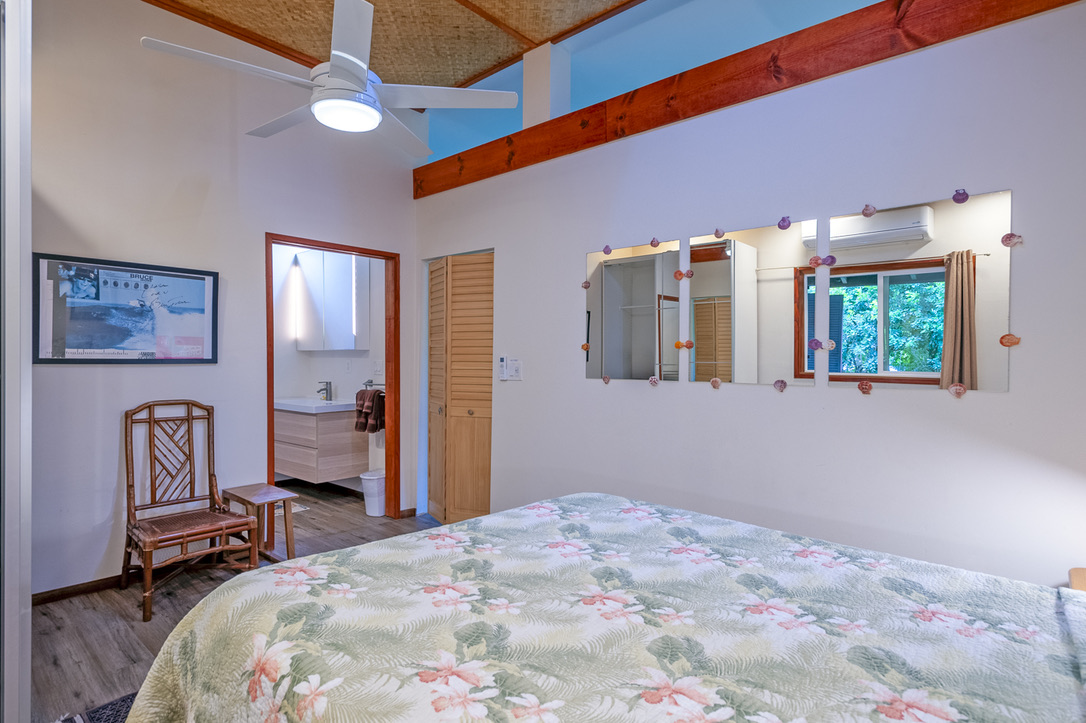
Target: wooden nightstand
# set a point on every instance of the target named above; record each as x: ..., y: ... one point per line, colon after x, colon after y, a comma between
x: 1078, y: 578
x: 255, y: 499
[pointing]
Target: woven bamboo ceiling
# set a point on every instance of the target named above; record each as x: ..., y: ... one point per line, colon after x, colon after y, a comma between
x: 421, y: 42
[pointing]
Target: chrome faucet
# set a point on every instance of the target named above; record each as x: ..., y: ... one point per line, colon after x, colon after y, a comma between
x: 325, y: 391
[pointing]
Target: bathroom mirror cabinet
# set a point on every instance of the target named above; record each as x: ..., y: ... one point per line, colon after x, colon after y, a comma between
x: 331, y: 299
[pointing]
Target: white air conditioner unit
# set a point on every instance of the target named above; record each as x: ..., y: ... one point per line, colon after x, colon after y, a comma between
x: 898, y: 225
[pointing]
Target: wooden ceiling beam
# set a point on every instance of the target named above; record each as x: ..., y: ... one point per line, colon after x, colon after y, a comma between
x: 869, y: 35
x: 555, y: 138
x: 178, y: 7
x: 564, y: 35
x: 500, y: 24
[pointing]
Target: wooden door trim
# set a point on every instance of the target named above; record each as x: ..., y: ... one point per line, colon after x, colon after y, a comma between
x: 392, y: 360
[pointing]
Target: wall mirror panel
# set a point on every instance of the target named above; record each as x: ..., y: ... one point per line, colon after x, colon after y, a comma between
x: 742, y: 304
x: 894, y: 310
x: 632, y: 314
x: 723, y: 310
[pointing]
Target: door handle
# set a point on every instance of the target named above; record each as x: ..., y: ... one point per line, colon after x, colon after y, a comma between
x: 439, y: 410
x: 471, y: 412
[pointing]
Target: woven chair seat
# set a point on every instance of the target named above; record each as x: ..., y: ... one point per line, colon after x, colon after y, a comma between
x: 169, y: 530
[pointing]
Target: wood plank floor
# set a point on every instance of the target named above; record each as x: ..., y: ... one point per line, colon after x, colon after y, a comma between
x: 91, y: 649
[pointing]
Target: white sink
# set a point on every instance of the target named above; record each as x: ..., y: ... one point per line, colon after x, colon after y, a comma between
x: 312, y: 405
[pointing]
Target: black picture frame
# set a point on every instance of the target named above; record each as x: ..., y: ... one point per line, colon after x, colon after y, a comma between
x: 94, y: 311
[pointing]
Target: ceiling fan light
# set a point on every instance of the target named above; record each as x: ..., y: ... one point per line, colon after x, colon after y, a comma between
x: 342, y: 114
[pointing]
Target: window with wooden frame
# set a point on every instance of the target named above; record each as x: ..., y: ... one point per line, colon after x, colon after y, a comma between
x: 885, y: 318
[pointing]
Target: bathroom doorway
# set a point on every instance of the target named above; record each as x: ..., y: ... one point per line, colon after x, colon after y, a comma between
x: 333, y: 329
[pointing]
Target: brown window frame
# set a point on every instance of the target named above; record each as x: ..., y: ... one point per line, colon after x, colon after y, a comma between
x: 800, y: 274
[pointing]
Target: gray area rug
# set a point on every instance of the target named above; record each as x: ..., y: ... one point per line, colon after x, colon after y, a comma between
x: 294, y: 507
x: 115, y: 711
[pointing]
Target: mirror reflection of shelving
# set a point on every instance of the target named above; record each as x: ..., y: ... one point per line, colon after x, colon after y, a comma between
x: 633, y: 314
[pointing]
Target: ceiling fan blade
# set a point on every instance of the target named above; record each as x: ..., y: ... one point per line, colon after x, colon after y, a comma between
x: 162, y: 46
x: 393, y: 129
x: 352, y: 26
x: 427, y: 96
x: 283, y: 122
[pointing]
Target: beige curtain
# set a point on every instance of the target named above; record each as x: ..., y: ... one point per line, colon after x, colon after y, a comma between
x: 959, y: 322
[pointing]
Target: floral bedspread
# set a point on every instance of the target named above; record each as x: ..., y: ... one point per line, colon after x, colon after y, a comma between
x: 597, y: 608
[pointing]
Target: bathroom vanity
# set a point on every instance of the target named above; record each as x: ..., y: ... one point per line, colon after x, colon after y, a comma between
x: 316, y: 441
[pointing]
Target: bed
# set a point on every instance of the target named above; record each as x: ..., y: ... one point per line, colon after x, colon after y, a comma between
x: 593, y: 607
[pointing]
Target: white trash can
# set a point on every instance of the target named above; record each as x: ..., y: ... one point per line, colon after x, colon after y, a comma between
x: 373, y: 490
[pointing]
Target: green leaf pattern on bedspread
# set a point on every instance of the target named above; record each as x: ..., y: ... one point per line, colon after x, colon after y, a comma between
x: 596, y: 608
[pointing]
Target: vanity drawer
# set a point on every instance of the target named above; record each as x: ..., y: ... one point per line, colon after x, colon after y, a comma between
x: 319, y: 447
x: 296, y: 461
x: 296, y: 428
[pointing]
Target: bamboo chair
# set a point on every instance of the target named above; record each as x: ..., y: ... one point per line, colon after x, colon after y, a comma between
x: 169, y: 450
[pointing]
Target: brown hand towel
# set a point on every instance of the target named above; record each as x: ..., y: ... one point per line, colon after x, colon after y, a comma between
x: 369, y: 408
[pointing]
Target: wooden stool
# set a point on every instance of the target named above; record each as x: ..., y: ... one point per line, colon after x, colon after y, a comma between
x: 255, y: 498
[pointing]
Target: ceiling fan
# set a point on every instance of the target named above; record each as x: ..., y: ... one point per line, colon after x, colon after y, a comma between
x: 346, y: 94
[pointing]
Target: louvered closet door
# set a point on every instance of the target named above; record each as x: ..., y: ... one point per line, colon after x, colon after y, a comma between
x: 436, y: 391
x: 704, y: 340
x: 461, y: 374
x: 723, y: 307
x: 713, y: 339
x: 470, y: 351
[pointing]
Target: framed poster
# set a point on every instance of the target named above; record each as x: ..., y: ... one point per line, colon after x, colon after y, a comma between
x: 110, y: 312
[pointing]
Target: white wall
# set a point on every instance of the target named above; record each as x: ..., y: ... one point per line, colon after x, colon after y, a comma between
x: 141, y: 156
x: 994, y: 481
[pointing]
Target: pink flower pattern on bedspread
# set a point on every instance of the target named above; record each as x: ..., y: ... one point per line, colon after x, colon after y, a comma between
x: 593, y: 608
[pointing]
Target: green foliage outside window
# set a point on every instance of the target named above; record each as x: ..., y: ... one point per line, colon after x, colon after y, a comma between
x: 913, y: 322
x: 859, y: 328
x: 915, y: 329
